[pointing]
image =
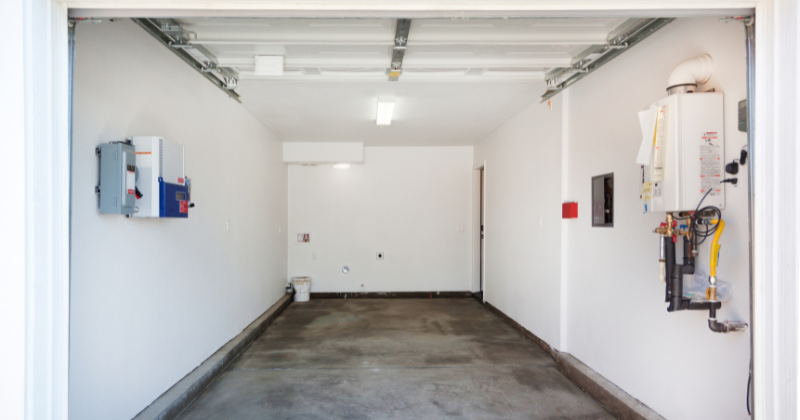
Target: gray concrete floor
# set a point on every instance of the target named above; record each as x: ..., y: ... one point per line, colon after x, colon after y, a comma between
x: 392, y: 359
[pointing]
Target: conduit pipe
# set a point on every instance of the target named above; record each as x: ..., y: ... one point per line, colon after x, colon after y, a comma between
x: 688, y: 74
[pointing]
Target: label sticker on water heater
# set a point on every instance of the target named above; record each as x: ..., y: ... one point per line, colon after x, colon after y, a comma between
x: 710, y: 163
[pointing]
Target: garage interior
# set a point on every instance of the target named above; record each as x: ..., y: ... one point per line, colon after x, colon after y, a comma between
x: 459, y: 264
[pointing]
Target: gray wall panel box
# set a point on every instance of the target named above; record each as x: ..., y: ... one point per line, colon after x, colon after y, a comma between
x: 117, y: 178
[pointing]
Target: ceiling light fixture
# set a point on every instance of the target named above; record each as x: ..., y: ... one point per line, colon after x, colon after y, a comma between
x: 341, y: 165
x: 385, y: 109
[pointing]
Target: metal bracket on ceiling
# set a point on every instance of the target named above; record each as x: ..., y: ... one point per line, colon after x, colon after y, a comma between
x: 621, y: 46
x: 173, y: 36
x: 399, y: 49
x: 627, y: 35
x: 747, y: 20
x: 180, y: 46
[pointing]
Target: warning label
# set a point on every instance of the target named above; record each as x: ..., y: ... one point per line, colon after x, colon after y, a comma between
x: 647, y: 191
x: 710, y: 164
x: 130, y: 182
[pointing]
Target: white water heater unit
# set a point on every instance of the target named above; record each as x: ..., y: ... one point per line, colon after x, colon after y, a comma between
x: 682, y: 153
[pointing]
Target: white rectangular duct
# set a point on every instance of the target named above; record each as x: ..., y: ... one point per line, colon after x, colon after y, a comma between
x: 329, y: 152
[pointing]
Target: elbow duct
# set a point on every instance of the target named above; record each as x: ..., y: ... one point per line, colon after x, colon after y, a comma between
x: 690, y: 73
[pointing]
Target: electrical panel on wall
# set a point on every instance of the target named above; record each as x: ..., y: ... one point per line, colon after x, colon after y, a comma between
x: 164, y: 188
x: 682, y: 152
x: 117, y: 189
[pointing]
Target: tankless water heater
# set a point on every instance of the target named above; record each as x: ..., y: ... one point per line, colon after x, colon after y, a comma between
x: 682, y: 153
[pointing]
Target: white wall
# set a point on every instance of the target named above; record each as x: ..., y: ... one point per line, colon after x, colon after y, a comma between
x: 612, y: 311
x: 151, y: 299
x: 617, y: 321
x: 407, y: 202
x: 523, y: 218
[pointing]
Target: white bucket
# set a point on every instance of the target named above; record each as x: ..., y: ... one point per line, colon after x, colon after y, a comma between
x: 302, y: 288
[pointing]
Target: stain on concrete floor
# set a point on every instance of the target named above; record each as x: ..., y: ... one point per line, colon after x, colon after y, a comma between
x: 392, y: 359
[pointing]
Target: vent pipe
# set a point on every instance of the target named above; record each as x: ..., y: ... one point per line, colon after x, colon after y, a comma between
x: 688, y: 74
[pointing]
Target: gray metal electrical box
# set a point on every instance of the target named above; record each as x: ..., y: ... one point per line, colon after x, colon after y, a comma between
x: 117, y: 187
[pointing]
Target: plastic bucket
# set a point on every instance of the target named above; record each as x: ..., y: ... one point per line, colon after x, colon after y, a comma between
x: 302, y: 288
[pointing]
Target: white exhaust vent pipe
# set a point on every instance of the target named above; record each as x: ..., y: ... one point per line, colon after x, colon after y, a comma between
x: 688, y: 74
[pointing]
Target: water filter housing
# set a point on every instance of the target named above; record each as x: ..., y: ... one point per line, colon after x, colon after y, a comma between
x: 160, y: 178
x: 688, y: 154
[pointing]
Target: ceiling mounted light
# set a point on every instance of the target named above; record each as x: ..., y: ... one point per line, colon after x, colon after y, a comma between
x: 341, y: 165
x: 269, y: 65
x: 385, y: 109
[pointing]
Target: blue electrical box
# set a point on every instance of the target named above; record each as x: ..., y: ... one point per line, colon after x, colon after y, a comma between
x: 174, y: 199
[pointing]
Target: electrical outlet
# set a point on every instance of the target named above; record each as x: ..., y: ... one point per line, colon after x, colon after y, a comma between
x: 313, y: 255
x: 379, y: 256
x: 460, y: 228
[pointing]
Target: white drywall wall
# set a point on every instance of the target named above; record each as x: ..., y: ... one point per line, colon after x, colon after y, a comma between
x: 605, y: 292
x: 407, y: 202
x: 523, y: 218
x: 151, y: 299
x: 617, y: 318
x: 323, y: 152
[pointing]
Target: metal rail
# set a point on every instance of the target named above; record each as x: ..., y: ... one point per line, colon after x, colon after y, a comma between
x: 170, y: 34
x: 581, y: 68
x: 399, y: 49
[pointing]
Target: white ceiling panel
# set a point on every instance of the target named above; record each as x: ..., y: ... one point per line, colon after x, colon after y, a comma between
x: 425, y: 114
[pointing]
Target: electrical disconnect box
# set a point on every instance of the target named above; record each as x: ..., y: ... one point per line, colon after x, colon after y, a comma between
x: 163, y: 186
x: 117, y: 187
x: 682, y: 152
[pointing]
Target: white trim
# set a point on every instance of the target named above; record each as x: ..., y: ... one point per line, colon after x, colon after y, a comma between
x: 12, y: 217
x: 45, y: 200
x: 777, y: 190
x: 564, y: 284
x: 412, y: 9
x: 46, y: 209
x: 758, y: 325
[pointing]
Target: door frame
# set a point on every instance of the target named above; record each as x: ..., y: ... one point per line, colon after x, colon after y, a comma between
x: 46, y: 240
x: 478, y: 213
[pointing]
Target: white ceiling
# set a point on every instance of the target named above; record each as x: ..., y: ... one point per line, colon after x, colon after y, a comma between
x: 426, y: 113
x: 461, y: 80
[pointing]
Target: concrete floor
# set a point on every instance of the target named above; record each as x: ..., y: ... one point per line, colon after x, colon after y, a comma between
x: 392, y: 359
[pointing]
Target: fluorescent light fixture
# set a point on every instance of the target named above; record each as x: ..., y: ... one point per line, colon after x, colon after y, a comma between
x: 269, y: 65
x: 341, y: 165
x: 385, y: 109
